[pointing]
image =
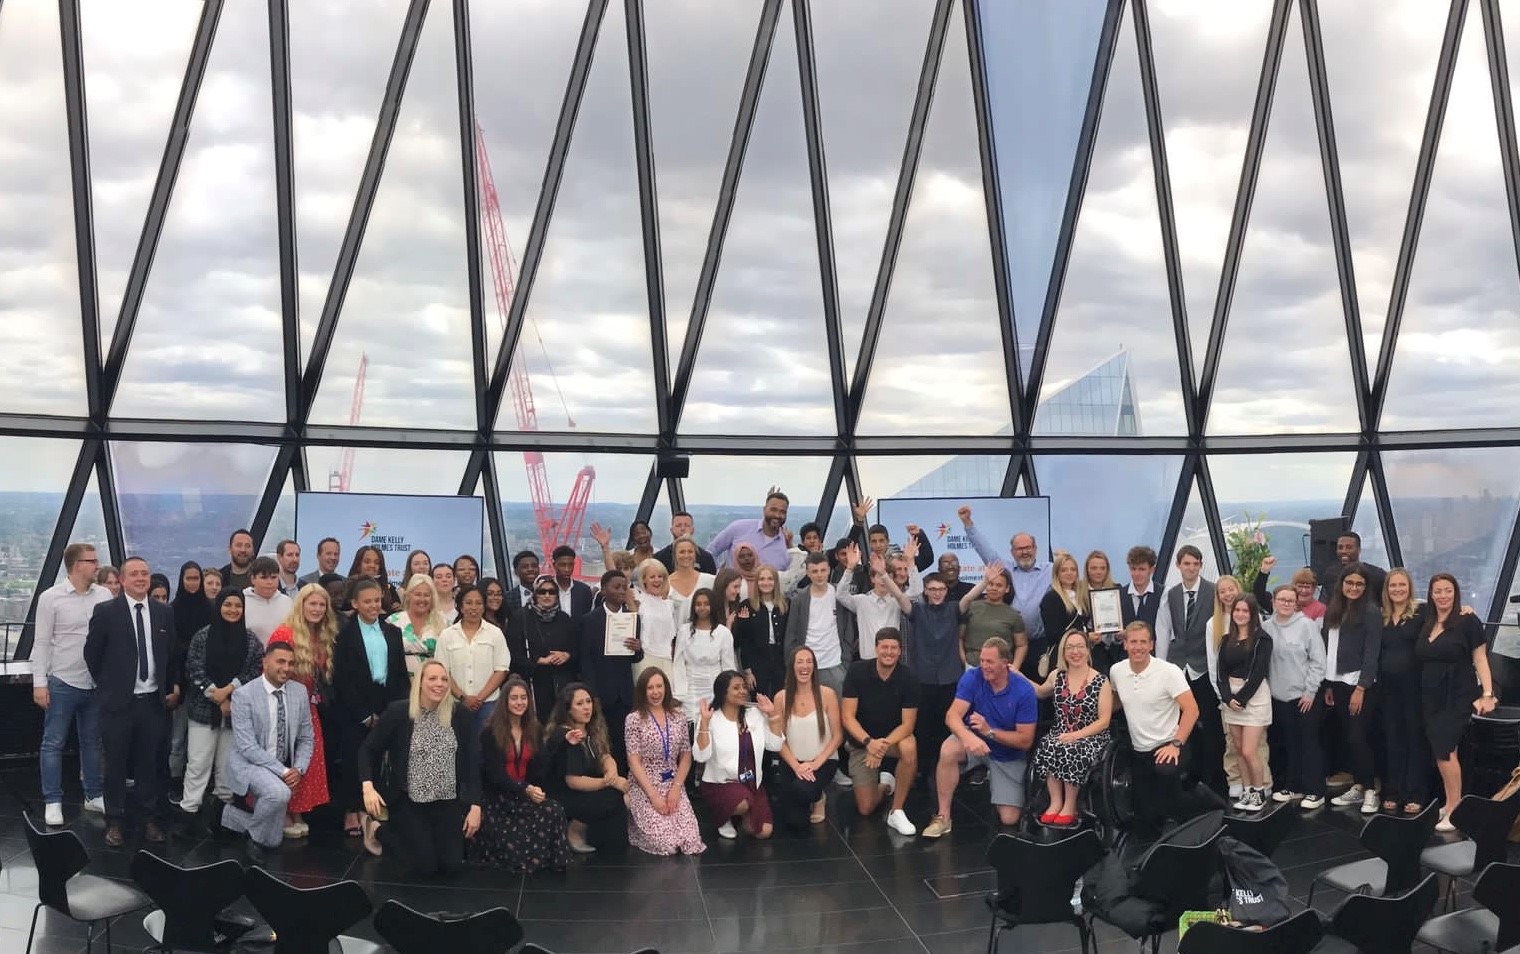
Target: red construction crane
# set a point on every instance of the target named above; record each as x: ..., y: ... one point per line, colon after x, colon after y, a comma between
x: 555, y: 526
x: 337, y: 480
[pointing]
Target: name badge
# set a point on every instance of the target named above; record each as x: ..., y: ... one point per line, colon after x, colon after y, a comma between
x: 668, y: 775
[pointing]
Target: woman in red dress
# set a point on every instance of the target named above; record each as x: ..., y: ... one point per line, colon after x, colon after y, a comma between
x: 311, y: 628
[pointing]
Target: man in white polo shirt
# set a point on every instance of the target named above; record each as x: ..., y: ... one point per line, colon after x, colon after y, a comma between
x: 1160, y: 712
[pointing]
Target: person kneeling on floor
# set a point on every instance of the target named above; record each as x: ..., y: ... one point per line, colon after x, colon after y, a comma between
x: 272, y: 742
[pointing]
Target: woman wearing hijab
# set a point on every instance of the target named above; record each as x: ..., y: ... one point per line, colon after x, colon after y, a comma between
x: 223, y: 656
x: 541, y: 641
x: 192, y: 611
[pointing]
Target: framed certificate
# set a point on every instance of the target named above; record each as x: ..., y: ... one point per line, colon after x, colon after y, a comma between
x: 1107, y: 609
x: 620, y: 628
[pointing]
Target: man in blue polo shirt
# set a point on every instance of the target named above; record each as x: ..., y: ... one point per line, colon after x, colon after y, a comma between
x: 991, y: 725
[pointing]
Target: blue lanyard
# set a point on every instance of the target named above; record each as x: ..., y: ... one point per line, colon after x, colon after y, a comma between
x: 664, y: 731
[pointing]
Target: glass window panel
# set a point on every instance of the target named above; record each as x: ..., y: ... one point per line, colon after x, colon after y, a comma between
x: 1460, y: 338
x: 135, y: 56
x: 1369, y: 527
x: 839, y: 517
x: 1282, y: 492
x: 340, y: 58
x: 182, y: 501
x: 1039, y: 63
x: 388, y: 470
x: 964, y: 475
x: 1195, y: 530
x: 616, y: 483
x: 763, y: 364
x: 1380, y: 70
x: 406, y: 318
x: 869, y: 54
x: 90, y: 527
x: 1073, y: 483
x: 1285, y: 365
x: 585, y: 344
x: 1113, y: 355
x: 1454, y: 510
x: 40, y: 337
x: 721, y: 490
x: 942, y: 285
x: 697, y: 55
x: 282, y: 524
x: 217, y: 270
x: 34, y: 473
x: 1208, y: 61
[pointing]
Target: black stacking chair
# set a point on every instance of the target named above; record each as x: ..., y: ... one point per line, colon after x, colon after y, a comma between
x: 1365, y: 924
x: 1035, y: 881
x: 1293, y: 936
x: 1486, y: 824
x: 308, y: 920
x: 1493, y: 927
x: 1265, y: 831
x: 189, y: 903
x: 1397, y: 843
x: 60, y: 858
x: 493, y: 931
x: 1174, y: 876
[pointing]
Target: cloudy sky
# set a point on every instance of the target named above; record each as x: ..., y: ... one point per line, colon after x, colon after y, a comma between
x: 207, y: 340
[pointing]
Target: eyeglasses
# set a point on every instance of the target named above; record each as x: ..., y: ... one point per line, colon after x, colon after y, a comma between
x: 1354, y: 584
x: 546, y: 592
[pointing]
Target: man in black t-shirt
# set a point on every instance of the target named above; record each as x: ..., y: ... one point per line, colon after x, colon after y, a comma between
x: 880, y: 710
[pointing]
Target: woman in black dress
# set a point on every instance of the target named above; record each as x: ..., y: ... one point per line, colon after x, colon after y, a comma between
x: 542, y: 641
x: 581, y: 774
x: 759, y: 629
x: 1454, y: 682
x: 523, y: 830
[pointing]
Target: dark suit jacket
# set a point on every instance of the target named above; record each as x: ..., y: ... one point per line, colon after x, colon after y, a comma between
x: 705, y: 561
x: 610, y: 677
x: 582, y: 600
x: 355, y: 693
x: 110, y: 651
x: 392, y: 736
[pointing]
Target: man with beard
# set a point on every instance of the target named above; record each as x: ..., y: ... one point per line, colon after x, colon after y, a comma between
x: 950, y: 572
x: 764, y: 535
x: 1030, y: 575
x: 1348, y: 550
x: 235, y: 574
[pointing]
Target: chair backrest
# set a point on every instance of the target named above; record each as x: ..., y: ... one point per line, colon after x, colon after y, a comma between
x: 1036, y: 879
x: 1388, y: 923
x: 1498, y: 889
x: 1399, y: 841
x: 1177, y: 876
x: 409, y: 931
x: 59, y: 856
x: 305, y: 919
x: 1294, y: 936
x: 1265, y: 831
x: 1487, y: 822
x: 191, y: 898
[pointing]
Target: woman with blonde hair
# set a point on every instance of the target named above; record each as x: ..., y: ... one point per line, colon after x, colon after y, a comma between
x: 686, y: 578
x: 1096, y: 572
x: 1084, y: 704
x: 1408, y: 761
x: 657, y: 617
x: 311, y: 628
x: 1062, y: 610
x: 760, y: 631
x: 419, y: 620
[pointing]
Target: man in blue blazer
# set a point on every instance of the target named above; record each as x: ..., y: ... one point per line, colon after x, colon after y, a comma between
x: 272, y: 742
x: 127, y: 652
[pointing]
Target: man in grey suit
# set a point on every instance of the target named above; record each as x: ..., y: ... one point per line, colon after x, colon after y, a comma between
x: 272, y: 742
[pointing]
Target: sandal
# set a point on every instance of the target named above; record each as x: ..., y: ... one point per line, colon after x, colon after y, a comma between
x: 1389, y: 805
x: 1413, y: 808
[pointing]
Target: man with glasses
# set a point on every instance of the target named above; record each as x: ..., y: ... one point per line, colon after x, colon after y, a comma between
x: 1030, y: 577
x: 61, y: 683
x: 933, y: 654
x: 1160, y: 712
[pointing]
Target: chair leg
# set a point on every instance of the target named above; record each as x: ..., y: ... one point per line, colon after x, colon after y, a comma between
x: 1083, y: 931
x: 33, y: 932
x: 992, y: 936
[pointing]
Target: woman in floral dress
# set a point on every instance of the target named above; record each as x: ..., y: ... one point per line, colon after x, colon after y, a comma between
x: 660, y: 817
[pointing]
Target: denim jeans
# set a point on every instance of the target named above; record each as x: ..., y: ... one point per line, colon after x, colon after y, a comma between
x: 67, y: 706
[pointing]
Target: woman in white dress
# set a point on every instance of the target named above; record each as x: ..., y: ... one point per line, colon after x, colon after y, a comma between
x: 686, y: 579
x: 704, y: 649
x: 657, y: 618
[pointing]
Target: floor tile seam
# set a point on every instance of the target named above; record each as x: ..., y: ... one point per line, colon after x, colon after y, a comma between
x: 877, y: 885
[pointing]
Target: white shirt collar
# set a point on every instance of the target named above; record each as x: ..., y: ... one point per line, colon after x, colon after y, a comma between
x: 1149, y: 589
x: 269, y: 687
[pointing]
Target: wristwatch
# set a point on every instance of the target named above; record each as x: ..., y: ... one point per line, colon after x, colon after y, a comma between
x: 1175, y: 742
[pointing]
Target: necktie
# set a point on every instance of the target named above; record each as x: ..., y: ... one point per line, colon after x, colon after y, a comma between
x: 1192, y: 604
x: 281, y: 731
x: 142, y: 647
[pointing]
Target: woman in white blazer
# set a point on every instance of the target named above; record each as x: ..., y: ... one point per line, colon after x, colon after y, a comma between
x: 730, y: 742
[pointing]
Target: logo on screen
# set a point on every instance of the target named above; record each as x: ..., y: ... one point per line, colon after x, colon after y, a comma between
x: 366, y: 529
x: 939, y: 533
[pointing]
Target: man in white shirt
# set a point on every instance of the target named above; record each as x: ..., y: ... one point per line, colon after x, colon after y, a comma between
x: 1160, y: 712
x: 814, y: 620
x: 873, y: 611
x: 265, y: 608
x: 288, y: 556
x: 61, y: 683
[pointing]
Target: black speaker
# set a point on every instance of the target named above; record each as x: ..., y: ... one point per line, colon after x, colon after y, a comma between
x: 1322, y: 537
x: 675, y: 467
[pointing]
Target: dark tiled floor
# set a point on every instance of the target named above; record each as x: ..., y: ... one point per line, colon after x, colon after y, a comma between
x: 851, y: 885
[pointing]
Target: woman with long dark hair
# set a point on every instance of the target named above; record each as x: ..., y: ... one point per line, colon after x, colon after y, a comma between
x: 496, y: 602
x: 704, y: 649
x: 1455, y: 682
x: 581, y: 774
x: 369, y: 564
x: 660, y: 817
x: 542, y: 641
x: 640, y: 541
x: 1353, y: 634
x: 730, y: 739
x: 807, y: 719
x: 1245, y: 702
x: 521, y: 829
x: 222, y: 656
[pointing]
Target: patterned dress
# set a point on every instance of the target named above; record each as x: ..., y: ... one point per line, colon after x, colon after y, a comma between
x: 659, y: 752
x: 313, y: 788
x: 1073, y: 762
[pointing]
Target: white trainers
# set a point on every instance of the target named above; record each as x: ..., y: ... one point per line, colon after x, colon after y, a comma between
x: 1243, y: 802
x: 1351, y: 796
x: 1283, y: 795
x: 1257, y: 798
x: 53, y: 814
x: 1370, y: 802
x: 897, y: 820
x: 1311, y: 802
x: 888, y: 782
x: 727, y: 830
x: 1445, y: 825
x: 96, y: 805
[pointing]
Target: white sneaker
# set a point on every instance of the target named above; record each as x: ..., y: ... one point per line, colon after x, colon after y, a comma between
x: 897, y: 820
x: 1243, y: 803
x: 888, y: 781
x: 1445, y: 825
x: 53, y: 815
x: 96, y: 805
x: 1311, y: 802
x: 1351, y: 796
x: 1283, y: 795
x: 1370, y: 802
x: 727, y: 830
x: 1256, y: 799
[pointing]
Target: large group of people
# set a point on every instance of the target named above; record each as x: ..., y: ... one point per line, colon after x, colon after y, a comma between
x: 518, y: 723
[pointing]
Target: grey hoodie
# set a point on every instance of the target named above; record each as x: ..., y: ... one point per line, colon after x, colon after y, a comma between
x: 1298, y: 657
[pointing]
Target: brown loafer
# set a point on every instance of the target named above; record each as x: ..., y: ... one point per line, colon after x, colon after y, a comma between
x: 113, y: 836
x: 153, y: 833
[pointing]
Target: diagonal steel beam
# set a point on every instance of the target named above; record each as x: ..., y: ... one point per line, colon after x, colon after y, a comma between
x: 1211, y: 516
x: 285, y: 205
x: 649, y: 212
x: 1384, y: 504
x: 274, y: 486
x: 84, y: 212
x: 1178, y: 510
x: 494, y: 520
x: 110, y: 503
x: 1504, y: 114
x: 464, y: 78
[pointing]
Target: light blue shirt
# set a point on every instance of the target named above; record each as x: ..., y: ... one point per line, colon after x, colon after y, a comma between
x: 770, y: 550
x: 376, y: 650
x: 1029, y: 586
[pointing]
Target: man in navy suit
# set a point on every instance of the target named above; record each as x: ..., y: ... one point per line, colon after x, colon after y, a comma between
x: 127, y: 652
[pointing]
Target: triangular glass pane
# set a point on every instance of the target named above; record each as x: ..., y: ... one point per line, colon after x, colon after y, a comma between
x: 1369, y: 527
x: 40, y: 330
x: 1454, y: 510
x: 340, y: 58
x: 1462, y: 318
x: 282, y: 524
x: 763, y: 364
x: 1380, y: 71
x: 1287, y: 302
x: 607, y: 486
x: 697, y: 54
x: 839, y: 519
x: 943, y: 281
x: 868, y: 55
x: 1073, y: 482
x: 486, y: 555
x: 1280, y: 494
x: 90, y: 527
x: 207, y: 344
x: 1113, y: 358
x: 1039, y: 61
x: 1195, y: 530
x: 522, y: 55
x: 659, y: 518
x: 135, y: 56
x: 585, y: 341
x: 182, y: 501
x: 406, y: 319
x: 1208, y: 61
x: 34, y: 473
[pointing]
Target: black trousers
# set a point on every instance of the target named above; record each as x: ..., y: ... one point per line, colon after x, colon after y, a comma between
x: 428, y: 837
x: 616, y: 714
x: 134, y: 739
x: 1207, y: 741
x: 792, y: 798
x: 1354, y: 730
x: 1298, y: 762
x: 930, y: 730
x: 1407, y: 767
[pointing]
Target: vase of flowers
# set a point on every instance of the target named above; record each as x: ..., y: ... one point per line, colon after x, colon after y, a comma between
x: 1248, y: 544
